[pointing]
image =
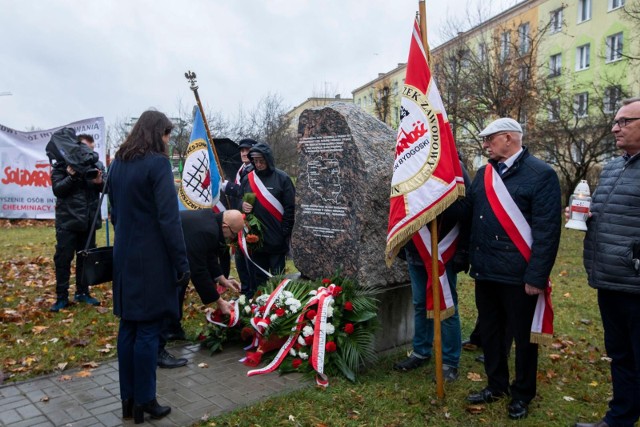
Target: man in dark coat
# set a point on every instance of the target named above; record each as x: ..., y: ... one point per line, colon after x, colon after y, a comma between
x: 515, y: 186
x: 275, y: 207
x: 76, y: 205
x: 612, y: 261
x: 205, y: 236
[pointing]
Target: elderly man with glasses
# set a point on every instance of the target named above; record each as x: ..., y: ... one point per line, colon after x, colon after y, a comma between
x: 206, y: 234
x: 612, y: 261
x: 514, y: 199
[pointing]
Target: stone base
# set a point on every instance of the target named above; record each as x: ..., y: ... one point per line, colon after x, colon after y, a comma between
x: 395, y: 314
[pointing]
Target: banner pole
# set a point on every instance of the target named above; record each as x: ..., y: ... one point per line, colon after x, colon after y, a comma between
x: 191, y: 77
x: 435, y: 280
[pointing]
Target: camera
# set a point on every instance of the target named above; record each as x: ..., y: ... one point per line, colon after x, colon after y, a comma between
x: 64, y: 149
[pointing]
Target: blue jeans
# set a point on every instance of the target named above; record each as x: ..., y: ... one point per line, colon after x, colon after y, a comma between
x: 450, y: 327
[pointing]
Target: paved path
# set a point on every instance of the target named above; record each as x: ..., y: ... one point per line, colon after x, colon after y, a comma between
x: 191, y: 391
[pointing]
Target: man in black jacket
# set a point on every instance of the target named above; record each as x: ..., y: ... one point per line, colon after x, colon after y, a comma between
x: 612, y: 261
x: 205, y: 236
x: 511, y: 264
x: 275, y: 207
x: 76, y: 205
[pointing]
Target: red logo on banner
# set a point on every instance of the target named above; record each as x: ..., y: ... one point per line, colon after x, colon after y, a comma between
x: 40, y: 177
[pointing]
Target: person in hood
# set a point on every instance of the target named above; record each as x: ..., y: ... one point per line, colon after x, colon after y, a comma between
x: 275, y: 207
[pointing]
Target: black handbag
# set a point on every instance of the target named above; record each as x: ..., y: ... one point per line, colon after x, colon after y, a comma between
x: 95, y: 266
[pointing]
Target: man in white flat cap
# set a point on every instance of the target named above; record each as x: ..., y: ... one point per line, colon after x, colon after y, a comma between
x: 515, y: 202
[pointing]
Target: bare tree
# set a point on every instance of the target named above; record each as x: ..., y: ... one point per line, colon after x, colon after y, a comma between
x: 383, y: 101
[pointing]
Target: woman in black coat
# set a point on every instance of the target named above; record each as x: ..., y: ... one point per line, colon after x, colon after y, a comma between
x: 149, y: 258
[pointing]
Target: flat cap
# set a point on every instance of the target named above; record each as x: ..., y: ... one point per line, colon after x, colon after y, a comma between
x: 503, y: 124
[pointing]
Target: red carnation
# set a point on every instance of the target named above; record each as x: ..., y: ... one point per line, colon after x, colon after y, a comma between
x: 280, y: 312
x: 311, y: 314
x: 202, y: 337
x: 262, y: 309
x: 308, y: 340
x: 326, y: 281
x: 348, y: 306
x: 348, y: 328
x: 330, y: 347
x: 336, y: 291
x: 296, y: 363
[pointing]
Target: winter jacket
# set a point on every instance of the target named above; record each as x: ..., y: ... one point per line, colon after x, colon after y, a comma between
x: 612, y: 242
x: 149, y: 253
x: 76, y: 199
x: 276, y: 234
x: 535, y: 189
x: 205, y: 243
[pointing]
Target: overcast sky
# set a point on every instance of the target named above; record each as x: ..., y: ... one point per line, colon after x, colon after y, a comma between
x: 67, y: 60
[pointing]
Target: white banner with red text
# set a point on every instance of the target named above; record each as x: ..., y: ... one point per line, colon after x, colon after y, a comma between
x: 25, y: 172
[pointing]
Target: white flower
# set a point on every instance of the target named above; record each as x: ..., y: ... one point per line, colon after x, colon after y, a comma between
x: 313, y: 292
x: 330, y: 329
x: 247, y: 309
x: 242, y: 300
x: 262, y: 299
x: 301, y: 340
x: 307, y: 330
x: 292, y: 352
x: 287, y: 294
x: 329, y: 311
x: 273, y: 317
x: 302, y: 355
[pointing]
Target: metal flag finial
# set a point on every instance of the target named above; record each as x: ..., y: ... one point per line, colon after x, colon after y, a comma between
x: 191, y: 76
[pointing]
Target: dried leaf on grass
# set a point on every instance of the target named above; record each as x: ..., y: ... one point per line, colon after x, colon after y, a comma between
x: 83, y: 374
x: 474, y: 377
x: 475, y: 409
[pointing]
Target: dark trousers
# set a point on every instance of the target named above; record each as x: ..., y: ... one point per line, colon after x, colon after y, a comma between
x: 476, y: 337
x: 67, y: 244
x: 620, y: 313
x: 138, y: 358
x: 273, y: 263
x: 245, y: 274
x: 503, y: 308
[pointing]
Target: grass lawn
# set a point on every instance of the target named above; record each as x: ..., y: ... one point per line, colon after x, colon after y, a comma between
x: 573, y: 375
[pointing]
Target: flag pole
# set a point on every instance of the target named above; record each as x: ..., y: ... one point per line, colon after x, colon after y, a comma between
x: 191, y: 76
x: 433, y: 225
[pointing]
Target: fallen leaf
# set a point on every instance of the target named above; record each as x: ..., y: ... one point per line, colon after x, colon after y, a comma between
x: 474, y: 377
x: 567, y: 295
x: 44, y: 399
x: 568, y: 398
x: 563, y: 273
x: 62, y: 366
x: 203, y: 365
x: 475, y: 409
x: 64, y: 378
x: 554, y: 356
x: 90, y: 365
x: 593, y: 383
x: 83, y: 374
x: 39, y: 329
x: 585, y: 321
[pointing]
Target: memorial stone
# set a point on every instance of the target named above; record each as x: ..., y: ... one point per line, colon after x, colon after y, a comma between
x: 342, y: 196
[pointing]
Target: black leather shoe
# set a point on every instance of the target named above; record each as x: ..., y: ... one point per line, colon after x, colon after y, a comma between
x: 600, y: 423
x: 518, y: 409
x: 168, y: 360
x: 410, y: 363
x: 176, y: 336
x: 484, y: 396
x: 152, y: 408
x: 127, y: 409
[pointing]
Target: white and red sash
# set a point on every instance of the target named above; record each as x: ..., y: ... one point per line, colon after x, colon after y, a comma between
x: 242, y: 244
x: 239, y: 173
x: 446, y: 250
x: 271, y: 204
x: 519, y: 231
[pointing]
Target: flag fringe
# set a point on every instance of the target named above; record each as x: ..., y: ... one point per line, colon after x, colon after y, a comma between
x: 540, y: 338
x: 444, y: 314
x: 403, y: 236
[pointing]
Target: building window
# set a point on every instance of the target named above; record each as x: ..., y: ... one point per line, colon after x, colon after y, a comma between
x: 555, y: 65
x: 612, y: 96
x: 482, y: 52
x: 523, y: 38
x: 523, y: 73
x: 581, y: 104
x: 615, y: 4
x: 584, y: 10
x: 554, y: 110
x: 614, y: 47
x: 505, y: 45
x: 556, y: 20
x: 582, y: 57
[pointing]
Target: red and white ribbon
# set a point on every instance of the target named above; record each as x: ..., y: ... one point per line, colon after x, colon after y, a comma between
x: 242, y: 244
x: 519, y: 231
x: 266, y: 199
x: 260, y: 323
x: 233, y: 319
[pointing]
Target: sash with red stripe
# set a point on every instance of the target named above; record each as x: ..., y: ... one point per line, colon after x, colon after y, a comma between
x: 446, y: 250
x: 271, y: 204
x: 519, y: 231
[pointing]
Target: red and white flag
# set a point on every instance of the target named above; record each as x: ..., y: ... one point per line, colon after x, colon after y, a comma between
x: 427, y: 176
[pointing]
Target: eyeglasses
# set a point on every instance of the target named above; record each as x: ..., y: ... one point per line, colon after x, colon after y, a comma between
x: 623, y: 121
x: 224, y: 224
x: 488, y: 139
